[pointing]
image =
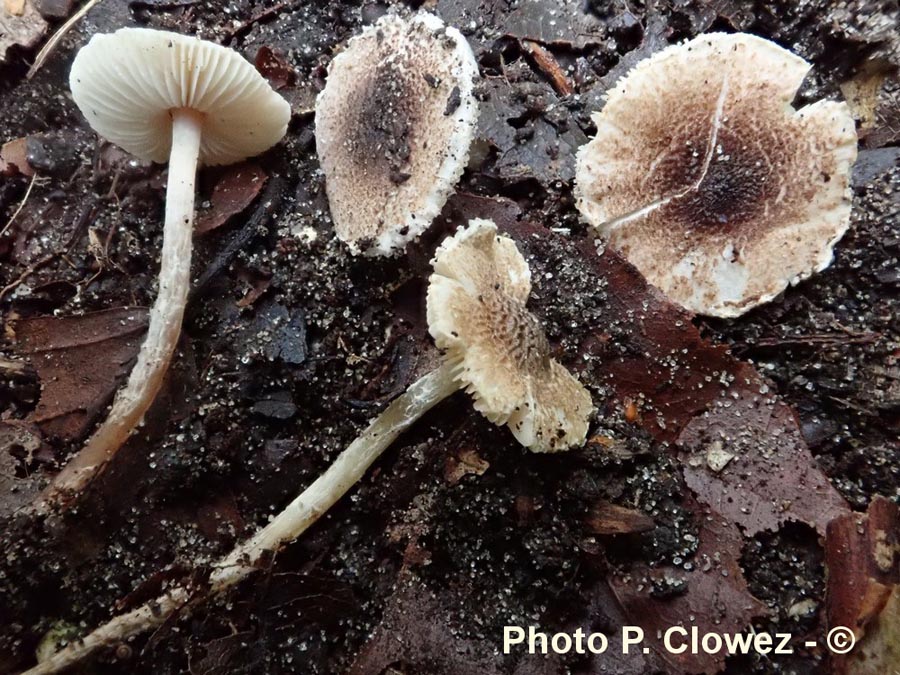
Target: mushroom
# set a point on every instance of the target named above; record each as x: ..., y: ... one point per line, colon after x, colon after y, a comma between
x: 393, y: 128
x: 162, y: 96
x: 707, y: 179
x: 494, y: 348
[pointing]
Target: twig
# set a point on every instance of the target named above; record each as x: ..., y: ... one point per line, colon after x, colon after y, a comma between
x: 34, y: 178
x: 550, y: 67
x: 52, y: 43
x: 810, y: 340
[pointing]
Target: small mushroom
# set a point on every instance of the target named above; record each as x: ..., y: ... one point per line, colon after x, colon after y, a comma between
x: 707, y: 179
x: 163, y: 96
x: 393, y: 129
x: 494, y: 348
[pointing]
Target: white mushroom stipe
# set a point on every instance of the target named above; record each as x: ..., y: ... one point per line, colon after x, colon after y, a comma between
x: 547, y: 409
x: 704, y: 176
x: 164, y: 96
x: 393, y: 129
x: 299, y: 515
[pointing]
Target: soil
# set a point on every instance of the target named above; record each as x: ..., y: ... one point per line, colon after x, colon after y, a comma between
x: 292, y: 345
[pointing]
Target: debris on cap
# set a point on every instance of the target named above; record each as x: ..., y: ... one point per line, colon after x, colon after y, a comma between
x: 707, y: 179
x: 393, y: 129
x: 477, y: 314
x: 127, y: 83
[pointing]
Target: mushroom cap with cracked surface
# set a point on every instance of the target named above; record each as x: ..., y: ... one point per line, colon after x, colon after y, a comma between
x: 128, y: 83
x: 393, y: 129
x: 708, y: 180
x: 477, y: 314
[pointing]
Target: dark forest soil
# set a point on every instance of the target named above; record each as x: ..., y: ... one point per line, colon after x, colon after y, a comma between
x: 291, y: 345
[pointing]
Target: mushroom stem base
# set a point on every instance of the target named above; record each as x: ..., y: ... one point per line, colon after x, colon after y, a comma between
x: 296, y: 518
x: 146, y: 378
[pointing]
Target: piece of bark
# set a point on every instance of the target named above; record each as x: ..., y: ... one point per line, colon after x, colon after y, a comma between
x: 862, y: 556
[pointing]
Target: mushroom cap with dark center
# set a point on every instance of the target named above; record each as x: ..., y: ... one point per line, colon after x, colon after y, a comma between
x: 707, y: 179
x: 128, y: 83
x: 477, y: 313
x: 393, y: 129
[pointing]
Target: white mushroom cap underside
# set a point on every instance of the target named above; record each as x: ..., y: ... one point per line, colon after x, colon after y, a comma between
x: 707, y: 179
x: 393, y: 129
x: 477, y: 314
x: 127, y: 83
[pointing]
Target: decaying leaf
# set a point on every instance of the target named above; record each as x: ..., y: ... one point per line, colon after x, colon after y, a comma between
x: 563, y: 22
x: 879, y: 653
x: 54, y: 9
x: 414, y: 635
x: 14, y: 158
x: 236, y: 654
x: 522, y: 120
x: 709, y: 593
x: 770, y: 476
x: 862, y: 554
x: 20, y: 25
x: 274, y: 68
x: 236, y: 189
x: 80, y: 361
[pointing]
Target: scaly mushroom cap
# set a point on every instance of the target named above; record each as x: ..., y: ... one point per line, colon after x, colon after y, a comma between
x: 393, y: 129
x: 127, y: 84
x: 707, y: 179
x: 477, y: 314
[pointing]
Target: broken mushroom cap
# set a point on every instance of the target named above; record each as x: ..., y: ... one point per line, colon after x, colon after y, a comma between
x: 128, y: 83
x: 707, y: 179
x: 477, y: 314
x: 393, y: 129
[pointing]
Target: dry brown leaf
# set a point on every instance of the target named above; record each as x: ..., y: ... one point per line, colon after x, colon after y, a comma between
x: 80, y: 361
x: 714, y: 598
x: 14, y: 158
x: 746, y: 458
x: 236, y: 189
x: 272, y: 66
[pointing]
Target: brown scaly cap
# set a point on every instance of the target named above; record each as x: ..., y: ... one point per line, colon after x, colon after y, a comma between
x: 707, y: 179
x: 393, y: 129
x: 477, y: 315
